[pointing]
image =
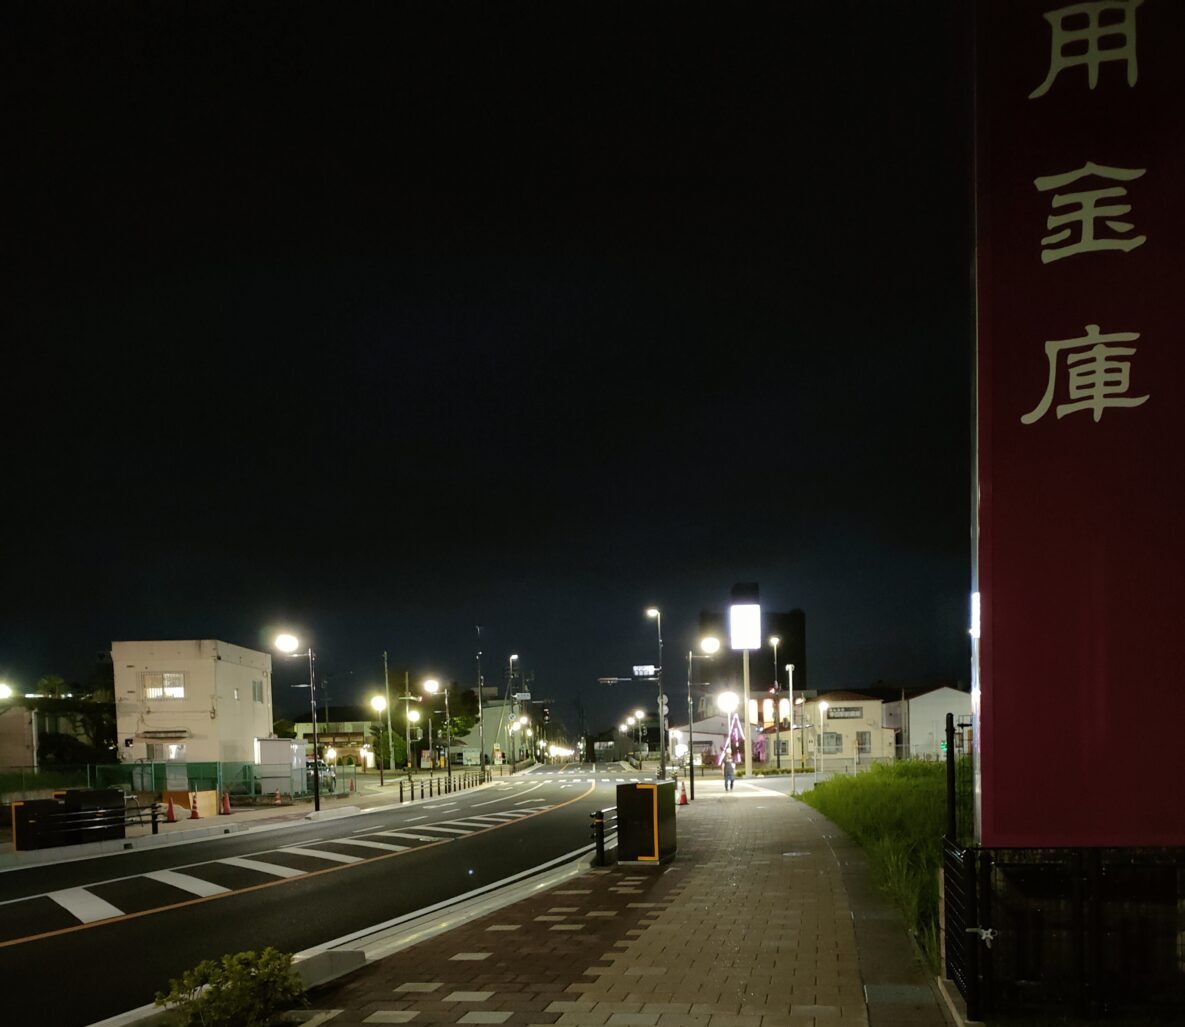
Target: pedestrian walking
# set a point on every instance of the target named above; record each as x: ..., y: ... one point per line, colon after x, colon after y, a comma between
x: 730, y: 773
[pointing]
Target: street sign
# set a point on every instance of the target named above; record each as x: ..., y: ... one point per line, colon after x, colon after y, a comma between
x: 522, y: 696
x: 645, y: 670
x: 612, y: 681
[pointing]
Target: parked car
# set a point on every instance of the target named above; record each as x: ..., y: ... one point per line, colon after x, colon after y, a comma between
x: 327, y: 774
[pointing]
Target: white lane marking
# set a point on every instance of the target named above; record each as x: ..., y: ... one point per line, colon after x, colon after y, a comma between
x: 533, y: 788
x: 491, y: 802
x: 443, y: 805
x: 472, y: 823
x: 408, y: 835
x: 372, y: 845
x: 412, y: 820
x: 450, y: 830
x: 333, y: 857
x: 193, y: 885
x: 274, y: 869
x: 80, y: 903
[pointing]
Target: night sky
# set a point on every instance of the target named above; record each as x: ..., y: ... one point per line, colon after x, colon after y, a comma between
x: 384, y: 321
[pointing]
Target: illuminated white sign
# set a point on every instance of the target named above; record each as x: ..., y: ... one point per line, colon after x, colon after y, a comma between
x: 744, y: 626
x: 645, y: 670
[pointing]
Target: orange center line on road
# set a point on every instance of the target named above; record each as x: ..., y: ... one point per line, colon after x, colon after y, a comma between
x: 272, y: 884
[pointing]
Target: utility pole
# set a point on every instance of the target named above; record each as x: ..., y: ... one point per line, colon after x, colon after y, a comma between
x: 481, y: 720
x: 387, y: 690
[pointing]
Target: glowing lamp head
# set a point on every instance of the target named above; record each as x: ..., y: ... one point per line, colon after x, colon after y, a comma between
x: 652, y: 612
x: 378, y: 704
x: 432, y: 686
x: 727, y: 702
x: 287, y: 643
x: 640, y: 714
x: 413, y: 716
x: 710, y: 645
x: 331, y: 753
x: 5, y: 691
x: 775, y: 641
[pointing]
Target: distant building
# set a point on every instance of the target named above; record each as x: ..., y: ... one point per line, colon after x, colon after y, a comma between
x: 919, y: 720
x: 191, y: 701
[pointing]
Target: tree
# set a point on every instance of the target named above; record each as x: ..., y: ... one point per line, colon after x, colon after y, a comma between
x: 284, y: 729
x: 378, y: 735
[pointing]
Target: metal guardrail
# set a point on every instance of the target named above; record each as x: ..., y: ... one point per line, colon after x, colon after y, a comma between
x: 443, y: 785
x: 36, y: 826
x: 604, y: 822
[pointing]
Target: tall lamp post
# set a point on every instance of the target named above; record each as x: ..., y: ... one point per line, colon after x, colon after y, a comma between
x: 710, y: 646
x: 481, y: 720
x: 378, y: 704
x: 775, y: 642
x: 387, y: 695
x: 656, y: 614
x: 432, y: 686
x: 745, y: 631
x: 288, y: 644
x: 413, y: 717
x: 820, y: 708
x: 790, y: 676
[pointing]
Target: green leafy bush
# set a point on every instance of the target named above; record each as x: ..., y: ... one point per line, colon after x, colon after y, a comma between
x: 241, y: 990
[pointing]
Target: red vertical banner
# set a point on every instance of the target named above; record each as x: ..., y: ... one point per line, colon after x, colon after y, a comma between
x: 1080, y: 567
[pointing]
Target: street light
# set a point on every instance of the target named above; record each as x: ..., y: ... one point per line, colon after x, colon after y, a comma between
x: 822, y: 708
x: 745, y: 634
x: 5, y: 691
x: 655, y: 613
x: 387, y: 703
x: 790, y: 679
x: 378, y: 704
x: 774, y: 641
x: 710, y: 645
x: 288, y: 644
x: 413, y: 717
x: 433, y: 686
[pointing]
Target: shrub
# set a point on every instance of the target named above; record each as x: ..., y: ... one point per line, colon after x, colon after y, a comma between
x: 896, y: 813
x: 241, y: 990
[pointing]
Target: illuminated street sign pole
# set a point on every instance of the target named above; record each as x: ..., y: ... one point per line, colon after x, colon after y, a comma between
x: 745, y: 634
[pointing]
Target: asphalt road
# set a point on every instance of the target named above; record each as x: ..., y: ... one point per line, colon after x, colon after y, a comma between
x: 86, y: 940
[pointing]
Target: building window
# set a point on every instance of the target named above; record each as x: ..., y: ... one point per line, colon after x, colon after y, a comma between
x: 163, y: 685
x: 864, y: 743
x: 832, y: 742
x: 257, y: 691
x: 236, y: 694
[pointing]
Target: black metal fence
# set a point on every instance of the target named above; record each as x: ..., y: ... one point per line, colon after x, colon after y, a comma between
x: 78, y: 817
x: 1097, y: 932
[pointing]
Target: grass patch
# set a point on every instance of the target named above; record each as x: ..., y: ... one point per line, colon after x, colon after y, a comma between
x: 896, y: 813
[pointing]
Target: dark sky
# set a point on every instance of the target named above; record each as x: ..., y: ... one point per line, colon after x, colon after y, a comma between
x: 390, y: 320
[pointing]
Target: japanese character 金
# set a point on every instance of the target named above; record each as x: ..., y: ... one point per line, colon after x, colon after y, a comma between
x: 1085, y: 212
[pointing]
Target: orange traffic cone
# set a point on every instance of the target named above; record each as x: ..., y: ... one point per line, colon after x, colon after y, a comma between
x: 170, y: 814
x: 682, y: 794
x: 193, y: 813
x: 226, y: 803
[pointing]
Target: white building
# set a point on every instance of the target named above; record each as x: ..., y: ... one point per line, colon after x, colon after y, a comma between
x: 920, y: 720
x: 191, y: 701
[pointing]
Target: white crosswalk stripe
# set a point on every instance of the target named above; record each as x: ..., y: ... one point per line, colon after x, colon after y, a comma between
x: 407, y: 835
x: 274, y: 869
x: 332, y: 857
x: 370, y: 845
x: 447, y: 830
x: 193, y: 885
x: 82, y: 904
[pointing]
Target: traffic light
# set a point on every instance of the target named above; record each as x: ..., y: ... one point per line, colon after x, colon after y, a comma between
x: 546, y: 714
x: 662, y: 705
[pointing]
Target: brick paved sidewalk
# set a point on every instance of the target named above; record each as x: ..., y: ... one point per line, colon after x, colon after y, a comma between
x: 764, y: 919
